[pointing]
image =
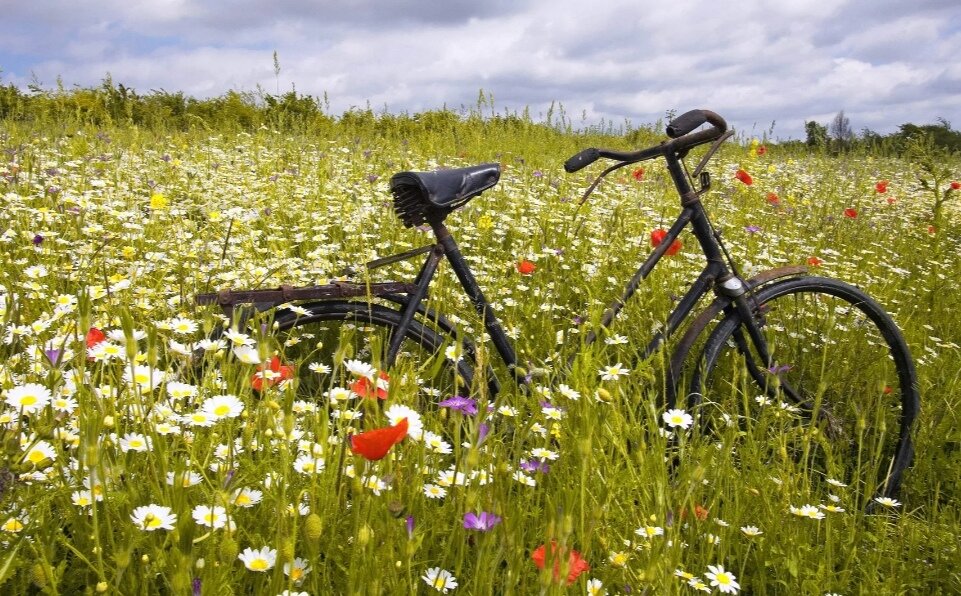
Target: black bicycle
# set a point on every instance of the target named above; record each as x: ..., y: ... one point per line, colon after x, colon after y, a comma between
x: 813, y: 365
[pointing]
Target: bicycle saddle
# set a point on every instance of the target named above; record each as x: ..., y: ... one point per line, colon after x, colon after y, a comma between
x: 417, y: 194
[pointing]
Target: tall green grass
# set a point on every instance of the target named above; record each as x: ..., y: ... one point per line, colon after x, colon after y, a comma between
x: 117, y: 227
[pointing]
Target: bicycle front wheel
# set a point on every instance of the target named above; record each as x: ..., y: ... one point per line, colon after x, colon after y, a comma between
x: 833, y: 407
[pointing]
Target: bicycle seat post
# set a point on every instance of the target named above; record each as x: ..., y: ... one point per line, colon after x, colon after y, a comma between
x: 472, y: 288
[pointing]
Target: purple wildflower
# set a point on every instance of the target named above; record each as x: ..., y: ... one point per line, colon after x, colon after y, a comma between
x: 37, y: 240
x: 482, y: 522
x: 535, y: 465
x: 482, y: 431
x: 409, y: 524
x: 464, y: 405
x: 54, y: 355
x: 752, y: 229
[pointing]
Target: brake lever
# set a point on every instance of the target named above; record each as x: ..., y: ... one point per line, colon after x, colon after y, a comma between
x: 710, y: 152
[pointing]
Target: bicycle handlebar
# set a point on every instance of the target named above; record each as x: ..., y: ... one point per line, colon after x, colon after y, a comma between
x: 688, y: 121
x: 679, y: 130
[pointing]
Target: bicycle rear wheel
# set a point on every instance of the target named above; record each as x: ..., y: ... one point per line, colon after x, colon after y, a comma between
x: 835, y: 405
x: 328, y: 342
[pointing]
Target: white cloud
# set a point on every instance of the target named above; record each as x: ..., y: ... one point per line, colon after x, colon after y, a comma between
x: 884, y: 62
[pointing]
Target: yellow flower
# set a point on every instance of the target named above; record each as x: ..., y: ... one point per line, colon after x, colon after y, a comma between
x: 12, y: 525
x: 158, y: 201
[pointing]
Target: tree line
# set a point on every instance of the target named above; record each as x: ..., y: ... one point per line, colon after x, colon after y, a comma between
x: 838, y: 136
x: 114, y: 103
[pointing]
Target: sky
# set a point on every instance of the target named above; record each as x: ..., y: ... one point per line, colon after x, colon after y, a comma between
x: 758, y: 64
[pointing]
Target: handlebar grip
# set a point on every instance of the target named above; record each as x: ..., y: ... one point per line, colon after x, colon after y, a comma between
x: 685, y: 123
x: 582, y: 160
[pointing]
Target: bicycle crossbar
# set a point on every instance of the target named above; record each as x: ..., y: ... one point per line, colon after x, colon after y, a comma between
x: 292, y: 294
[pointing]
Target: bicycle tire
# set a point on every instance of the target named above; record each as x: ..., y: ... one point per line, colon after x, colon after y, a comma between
x: 843, y: 360
x: 364, y: 336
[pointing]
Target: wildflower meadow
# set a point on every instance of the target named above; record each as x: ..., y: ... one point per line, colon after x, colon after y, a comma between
x: 140, y: 455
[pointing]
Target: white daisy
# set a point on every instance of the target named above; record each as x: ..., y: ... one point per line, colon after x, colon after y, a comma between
x: 213, y: 517
x: 28, y: 398
x: 440, y: 579
x: 153, y: 517
x: 262, y: 559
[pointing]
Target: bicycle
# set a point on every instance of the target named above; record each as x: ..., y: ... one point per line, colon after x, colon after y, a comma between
x: 846, y: 416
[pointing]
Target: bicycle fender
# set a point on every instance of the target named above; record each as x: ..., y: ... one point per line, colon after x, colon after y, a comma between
x: 704, y: 318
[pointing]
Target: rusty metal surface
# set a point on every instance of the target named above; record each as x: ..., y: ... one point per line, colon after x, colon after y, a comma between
x: 292, y: 294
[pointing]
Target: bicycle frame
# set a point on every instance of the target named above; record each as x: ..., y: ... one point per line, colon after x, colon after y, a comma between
x: 715, y: 276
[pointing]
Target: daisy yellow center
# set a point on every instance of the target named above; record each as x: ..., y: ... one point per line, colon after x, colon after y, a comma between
x: 36, y: 456
x: 258, y: 565
x: 439, y: 583
x: 82, y: 501
x: 723, y: 578
x: 210, y: 518
x: 198, y: 417
x: 136, y: 443
x: 242, y: 500
x: 13, y: 525
x: 296, y: 573
x: 308, y: 467
x: 112, y: 350
x: 222, y: 410
x: 28, y: 400
x: 142, y: 378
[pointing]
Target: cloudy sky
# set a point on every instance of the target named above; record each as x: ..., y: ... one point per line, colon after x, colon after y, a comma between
x: 884, y: 62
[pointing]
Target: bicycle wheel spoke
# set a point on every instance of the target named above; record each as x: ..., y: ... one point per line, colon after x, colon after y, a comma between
x: 335, y: 353
x: 830, y: 404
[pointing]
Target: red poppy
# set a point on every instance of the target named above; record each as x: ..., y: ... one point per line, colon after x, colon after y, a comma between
x: 638, y: 174
x: 700, y: 513
x: 851, y: 212
x: 955, y: 185
x: 932, y: 229
x: 761, y: 150
x: 888, y: 390
x: 773, y: 199
x: 270, y: 374
x: 374, y: 444
x: 814, y: 261
x: 882, y: 186
x: 892, y: 200
x: 744, y: 177
x: 366, y: 388
x: 525, y: 267
x: 95, y: 336
x: 658, y: 236
x: 576, y: 564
